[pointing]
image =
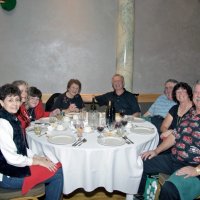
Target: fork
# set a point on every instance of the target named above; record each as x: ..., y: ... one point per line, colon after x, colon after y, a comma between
x: 83, y: 141
x: 127, y: 142
x: 127, y: 139
x: 42, y: 134
x: 77, y: 142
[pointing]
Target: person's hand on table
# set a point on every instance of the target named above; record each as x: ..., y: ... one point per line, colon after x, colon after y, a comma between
x: 148, y: 154
x: 72, y: 108
x: 54, y: 113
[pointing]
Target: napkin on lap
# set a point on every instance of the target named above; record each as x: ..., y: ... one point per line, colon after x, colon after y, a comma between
x: 38, y: 175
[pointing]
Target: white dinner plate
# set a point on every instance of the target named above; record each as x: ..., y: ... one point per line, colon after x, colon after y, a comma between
x: 111, y: 141
x: 138, y: 120
x: 43, y: 120
x: 62, y: 139
x: 73, y: 113
x: 142, y: 130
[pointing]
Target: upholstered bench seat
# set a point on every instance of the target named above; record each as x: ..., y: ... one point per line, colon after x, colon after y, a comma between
x: 15, y: 194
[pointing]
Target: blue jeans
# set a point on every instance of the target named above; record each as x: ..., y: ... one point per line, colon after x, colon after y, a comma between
x: 53, y: 185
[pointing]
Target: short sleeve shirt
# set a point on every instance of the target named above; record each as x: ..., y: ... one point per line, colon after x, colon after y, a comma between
x: 187, y: 146
x: 161, y: 106
x: 176, y: 119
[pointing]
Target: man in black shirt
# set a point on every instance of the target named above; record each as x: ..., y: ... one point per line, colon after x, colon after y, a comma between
x: 121, y: 98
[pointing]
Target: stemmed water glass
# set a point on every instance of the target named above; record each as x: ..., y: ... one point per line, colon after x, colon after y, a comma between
x: 79, y: 126
x: 118, y: 126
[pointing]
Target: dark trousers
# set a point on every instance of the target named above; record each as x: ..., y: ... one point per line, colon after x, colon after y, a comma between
x: 164, y: 163
x: 169, y: 192
x: 157, y: 121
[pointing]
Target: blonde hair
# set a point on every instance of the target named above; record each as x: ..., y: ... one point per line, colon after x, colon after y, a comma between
x: 20, y: 82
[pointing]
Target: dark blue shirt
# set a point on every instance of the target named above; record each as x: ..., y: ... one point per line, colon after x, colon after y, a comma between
x: 63, y: 102
x: 126, y: 101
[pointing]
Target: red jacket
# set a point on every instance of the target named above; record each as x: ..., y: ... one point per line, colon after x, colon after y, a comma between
x: 24, y: 118
x: 40, y: 112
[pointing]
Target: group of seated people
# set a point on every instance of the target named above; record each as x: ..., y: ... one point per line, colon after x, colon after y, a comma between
x: 176, y: 115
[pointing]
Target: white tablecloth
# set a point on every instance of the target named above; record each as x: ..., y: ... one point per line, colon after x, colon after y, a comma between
x: 92, y: 165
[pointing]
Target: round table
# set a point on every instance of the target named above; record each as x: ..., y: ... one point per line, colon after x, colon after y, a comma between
x: 93, y: 165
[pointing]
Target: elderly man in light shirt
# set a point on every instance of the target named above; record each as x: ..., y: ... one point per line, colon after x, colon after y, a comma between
x: 159, y: 109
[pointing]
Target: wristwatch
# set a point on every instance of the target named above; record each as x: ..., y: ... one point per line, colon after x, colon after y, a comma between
x: 197, y: 170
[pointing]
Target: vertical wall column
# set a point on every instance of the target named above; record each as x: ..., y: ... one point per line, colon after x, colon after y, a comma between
x: 125, y: 41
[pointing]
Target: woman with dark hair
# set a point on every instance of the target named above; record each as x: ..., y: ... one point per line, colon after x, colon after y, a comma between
x: 71, y: 100
x: 182, y: 95
x: 16, y: 160
x: 35, y: 107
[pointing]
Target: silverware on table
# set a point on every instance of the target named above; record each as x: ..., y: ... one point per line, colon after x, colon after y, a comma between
x: 82, y: 141
x: 127, y: 139
x: 42, y: 134
x: 77, y: 141
x: 127, y: 142
x: 137, y: 126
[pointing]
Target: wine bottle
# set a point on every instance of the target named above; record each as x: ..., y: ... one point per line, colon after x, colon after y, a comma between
x: 93, y: 105
x: 110, y: 113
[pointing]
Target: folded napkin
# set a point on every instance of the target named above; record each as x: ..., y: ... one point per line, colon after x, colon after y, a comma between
x: 38, y: 175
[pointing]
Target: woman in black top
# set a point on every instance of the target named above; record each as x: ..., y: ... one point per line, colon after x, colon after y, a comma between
x: 182, y: 95
x: 70, y: 101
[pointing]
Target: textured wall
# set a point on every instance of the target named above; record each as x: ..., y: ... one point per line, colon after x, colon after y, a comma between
x: 48, y: 42
x: 167, y: 43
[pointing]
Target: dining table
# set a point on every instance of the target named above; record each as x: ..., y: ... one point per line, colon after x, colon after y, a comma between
x: 110, y: 161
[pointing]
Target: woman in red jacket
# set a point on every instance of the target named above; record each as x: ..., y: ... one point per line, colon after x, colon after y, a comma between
x: 34, y: 106
x: 24, y: 114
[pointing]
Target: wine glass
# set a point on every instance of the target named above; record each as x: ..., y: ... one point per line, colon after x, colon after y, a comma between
x: 124, y: 123
x: 101, y: 127
x: 122, y: 113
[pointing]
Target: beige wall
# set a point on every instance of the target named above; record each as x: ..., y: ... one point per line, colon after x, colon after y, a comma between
x: 48, y: 42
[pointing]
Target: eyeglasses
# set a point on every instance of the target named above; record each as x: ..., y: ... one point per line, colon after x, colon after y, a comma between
x: 34, y: 98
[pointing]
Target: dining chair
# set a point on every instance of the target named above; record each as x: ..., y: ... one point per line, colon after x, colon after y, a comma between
x: 50, y: 102
x: 15, y: 194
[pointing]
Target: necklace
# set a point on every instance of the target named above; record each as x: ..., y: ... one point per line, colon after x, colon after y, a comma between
x: 178, y: 120
x: 30, y: 113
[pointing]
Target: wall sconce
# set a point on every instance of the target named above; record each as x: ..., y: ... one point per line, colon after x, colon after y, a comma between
x: 8, y: 5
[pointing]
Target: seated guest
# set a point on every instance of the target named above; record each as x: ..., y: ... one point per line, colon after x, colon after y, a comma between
x: 22, y: 114
x: 71, y: 100
x: 182, y: 95
x: 159, y: 109
x: 121, y: 98
x: 16, y: 161
x: 183, y: 163
x: 34, y: 106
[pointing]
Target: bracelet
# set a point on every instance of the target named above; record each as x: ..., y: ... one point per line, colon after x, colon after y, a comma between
x: 197, y: 170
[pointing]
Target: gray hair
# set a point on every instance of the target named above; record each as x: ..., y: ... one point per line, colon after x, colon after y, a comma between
x: 171, y: 81
x: 196, y: 83
x: 118, y: 75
